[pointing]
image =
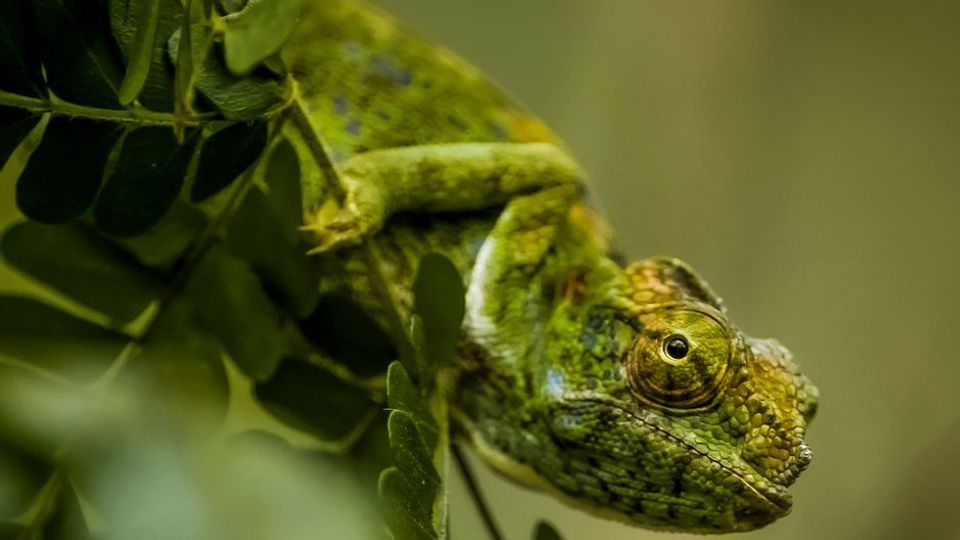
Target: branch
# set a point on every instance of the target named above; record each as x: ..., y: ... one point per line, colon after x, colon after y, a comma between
x: 367, y: 250
x: 137, y: 115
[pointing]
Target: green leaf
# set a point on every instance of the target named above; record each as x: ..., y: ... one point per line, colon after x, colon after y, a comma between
x: 424, y: 368
x: 182, y: 362
x: 348, y: 334
x: 15, y: 124
x: 545, y: 531
x: 187, y: 58
x: 12, y: 531
x: 126, y: 19
x: 414, y: 458
x: 81, y: 63
x: 169, y: 239
x: 61, y: 179
x: 225, y: 155
x: 141, y: 52
x: 312, y: 399
x: 237, y: 98
x: 67, y: 521
x: 19, y: 64
x: 43, y: 336
x: 76, y: 262
x: 23, y: 475
x: 408, y: 513
x: 258, y: 32
x: 439, y: 301
x: 146, y: 179
x: 264, y: 232
x: 403, y: 395
x: 232, y: 304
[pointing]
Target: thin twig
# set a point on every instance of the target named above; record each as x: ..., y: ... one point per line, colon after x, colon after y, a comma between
x: 478, y: 500
x: 367, y: 250
x: 136, y: 115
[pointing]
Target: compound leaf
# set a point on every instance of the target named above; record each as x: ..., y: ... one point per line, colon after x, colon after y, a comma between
x: 439, y: 301
x: 76, y: 262
x: 146, y: 179
x: 546, y: 531
x: 264, y: 232
x: 347, y: 333
x: 126, y: 19
x: 50, y: 339
x: 82, y: 64
x: 407, y: 511
x: 258, y: 31
x: 140, y: 56
x: 225, y: 155
x: 232, y: 304
x: 180, y: 358
x: 414, y: 458
x: 237, y: 98
x: 166, y: 241
x: 310, y: 398
x: 62, y: 177
x: 19, y: 64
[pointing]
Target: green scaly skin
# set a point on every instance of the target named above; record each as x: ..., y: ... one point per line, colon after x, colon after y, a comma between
x: 625, y: 390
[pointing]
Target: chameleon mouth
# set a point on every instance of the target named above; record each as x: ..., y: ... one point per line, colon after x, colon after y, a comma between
x: 774, y: 498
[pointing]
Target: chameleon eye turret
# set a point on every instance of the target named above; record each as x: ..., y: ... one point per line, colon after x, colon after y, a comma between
x: 680, y: 359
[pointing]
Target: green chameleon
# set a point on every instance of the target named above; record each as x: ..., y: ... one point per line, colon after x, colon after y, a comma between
x: 621, y: 388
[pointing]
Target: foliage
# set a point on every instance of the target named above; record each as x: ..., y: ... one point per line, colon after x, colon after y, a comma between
x: 413, y: 489
x: 176, y: 278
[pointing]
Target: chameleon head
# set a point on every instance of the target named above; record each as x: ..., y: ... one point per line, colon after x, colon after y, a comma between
x: 702, y: 428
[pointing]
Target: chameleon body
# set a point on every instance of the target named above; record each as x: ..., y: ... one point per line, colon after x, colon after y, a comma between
x: 622, y: 388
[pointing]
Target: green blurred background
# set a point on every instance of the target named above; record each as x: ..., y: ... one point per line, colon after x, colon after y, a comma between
x: 804, y: 157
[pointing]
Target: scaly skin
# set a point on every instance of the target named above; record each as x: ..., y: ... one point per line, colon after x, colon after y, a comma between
x: 625, y: 390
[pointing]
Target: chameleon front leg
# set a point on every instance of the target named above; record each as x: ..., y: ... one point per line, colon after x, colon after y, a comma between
x: 504, y: 296
x: 435, y: 178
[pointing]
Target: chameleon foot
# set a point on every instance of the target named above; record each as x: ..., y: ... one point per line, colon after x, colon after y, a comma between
x: 333, y: 227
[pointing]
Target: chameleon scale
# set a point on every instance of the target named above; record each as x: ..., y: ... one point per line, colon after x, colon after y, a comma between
x: 622, y: 389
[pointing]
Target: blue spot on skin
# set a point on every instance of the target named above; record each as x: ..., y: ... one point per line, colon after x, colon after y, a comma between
x: 383, y: 115
x: 341, y: 105
x: 351, y: 51
x: 353, y: 127
x: 555, y: 383
x: 387, y: 67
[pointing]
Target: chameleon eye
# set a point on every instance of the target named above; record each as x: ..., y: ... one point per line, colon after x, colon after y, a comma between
x: 677, y: 347
x: 680, y: 359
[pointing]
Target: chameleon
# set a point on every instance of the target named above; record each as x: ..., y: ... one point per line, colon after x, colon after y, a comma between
x: 621, y: 388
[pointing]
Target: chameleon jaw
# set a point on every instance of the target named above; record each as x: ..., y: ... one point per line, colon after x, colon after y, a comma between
x: 773, y: 493
x: 746, y: 498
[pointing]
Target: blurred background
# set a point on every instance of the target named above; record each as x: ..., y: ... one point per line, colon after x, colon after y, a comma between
x: 802, y: 156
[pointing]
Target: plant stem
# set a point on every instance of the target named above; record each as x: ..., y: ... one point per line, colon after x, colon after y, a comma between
x: 478, y: 500
x: 138, y: 116
x: 366, y: 249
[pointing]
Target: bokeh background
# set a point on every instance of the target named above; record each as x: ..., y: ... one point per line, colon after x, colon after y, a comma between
x: 804, y: 157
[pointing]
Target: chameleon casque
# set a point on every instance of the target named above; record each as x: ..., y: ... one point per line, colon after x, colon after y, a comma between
x: 624, y: 389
